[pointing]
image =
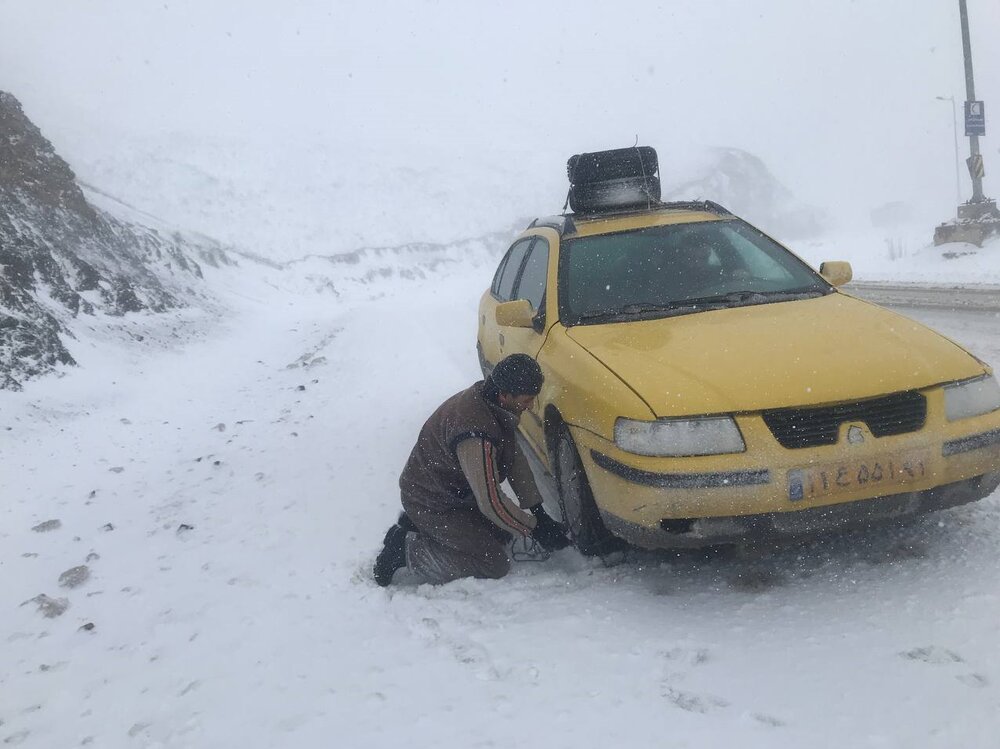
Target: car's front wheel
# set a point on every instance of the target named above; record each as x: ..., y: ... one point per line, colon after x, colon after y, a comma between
x: 576, y: 501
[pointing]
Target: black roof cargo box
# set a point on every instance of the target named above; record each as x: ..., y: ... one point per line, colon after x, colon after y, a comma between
x: 614, y: 180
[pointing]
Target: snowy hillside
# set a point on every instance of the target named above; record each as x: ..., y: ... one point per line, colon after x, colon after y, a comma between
x: 288, y: 199
x: 61, y: 258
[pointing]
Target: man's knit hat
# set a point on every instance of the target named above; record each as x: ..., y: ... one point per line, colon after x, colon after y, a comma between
x: 517, y: 374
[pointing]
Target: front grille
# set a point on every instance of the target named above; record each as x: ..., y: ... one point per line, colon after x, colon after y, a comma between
x: 898, y: 413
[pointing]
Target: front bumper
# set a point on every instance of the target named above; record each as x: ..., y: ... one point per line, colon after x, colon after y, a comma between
x: 697, y: 532
x: 676, y: 502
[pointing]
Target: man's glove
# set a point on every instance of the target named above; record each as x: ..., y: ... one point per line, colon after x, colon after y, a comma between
x: 547, y: 531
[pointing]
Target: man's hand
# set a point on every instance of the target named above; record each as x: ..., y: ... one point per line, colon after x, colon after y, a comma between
x: 547, y: 531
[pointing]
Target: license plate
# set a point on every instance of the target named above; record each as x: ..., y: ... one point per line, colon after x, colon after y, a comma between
x: 874, y: 474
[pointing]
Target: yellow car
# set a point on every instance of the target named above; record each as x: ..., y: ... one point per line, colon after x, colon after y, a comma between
x: 704, y: 385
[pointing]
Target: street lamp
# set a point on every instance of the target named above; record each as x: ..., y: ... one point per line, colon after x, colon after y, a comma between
x: 954, y: 131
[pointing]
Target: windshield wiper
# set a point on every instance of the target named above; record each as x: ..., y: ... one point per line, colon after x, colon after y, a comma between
x: 702, y: 301
x: 597, y: 314
x: 749, y: 295
x: 730, y: 299
x: 781, y: 295
x: 641, y: 308
x: 720, y: 301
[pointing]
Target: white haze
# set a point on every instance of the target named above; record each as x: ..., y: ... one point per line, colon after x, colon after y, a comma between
x: 227, y: 475
x: 837, y: 98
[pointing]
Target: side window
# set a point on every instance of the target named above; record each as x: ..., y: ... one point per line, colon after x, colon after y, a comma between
x: 511, y: 268
x: 532, y: 284
x: 495, y: 286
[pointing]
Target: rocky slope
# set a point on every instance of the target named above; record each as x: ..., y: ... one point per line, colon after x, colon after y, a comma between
x: 61, y: 257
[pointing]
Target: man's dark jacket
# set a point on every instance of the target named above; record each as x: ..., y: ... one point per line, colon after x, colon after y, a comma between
x: 432, y: 476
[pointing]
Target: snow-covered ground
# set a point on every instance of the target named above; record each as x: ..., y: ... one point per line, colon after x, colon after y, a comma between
x: 226, y: 481
x: 190, y: 516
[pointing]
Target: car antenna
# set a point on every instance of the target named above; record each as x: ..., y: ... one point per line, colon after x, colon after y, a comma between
x: 642, y: 167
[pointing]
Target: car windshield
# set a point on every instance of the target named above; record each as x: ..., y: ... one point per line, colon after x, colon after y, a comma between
x: 677, y: 269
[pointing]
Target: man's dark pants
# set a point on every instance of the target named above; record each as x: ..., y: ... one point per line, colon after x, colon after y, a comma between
x: 454, y: 543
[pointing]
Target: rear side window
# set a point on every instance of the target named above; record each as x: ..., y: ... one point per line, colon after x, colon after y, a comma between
x: 511, y: 268
x: 532, y: 283
x: 495, y: 286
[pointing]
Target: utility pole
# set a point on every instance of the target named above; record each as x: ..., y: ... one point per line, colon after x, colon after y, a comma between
x: 970, y: 96
x: 979, y: 218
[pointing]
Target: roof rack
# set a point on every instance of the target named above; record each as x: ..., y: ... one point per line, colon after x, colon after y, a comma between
x: 709, y: 206
x: 564, y: 223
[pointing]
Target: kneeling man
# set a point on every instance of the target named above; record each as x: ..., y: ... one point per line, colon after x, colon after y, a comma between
x: 456, y: 521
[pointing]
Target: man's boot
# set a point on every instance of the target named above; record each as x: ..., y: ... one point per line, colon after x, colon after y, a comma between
x: 393, y: 555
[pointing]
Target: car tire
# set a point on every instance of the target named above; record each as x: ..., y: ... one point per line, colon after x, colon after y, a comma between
x: 576, y: 502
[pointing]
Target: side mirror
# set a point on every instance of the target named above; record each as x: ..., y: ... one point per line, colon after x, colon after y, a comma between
x: 836, y: 272
x: 516, y: 314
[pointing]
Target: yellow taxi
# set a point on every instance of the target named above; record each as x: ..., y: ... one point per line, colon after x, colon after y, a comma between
x: 704, y: 385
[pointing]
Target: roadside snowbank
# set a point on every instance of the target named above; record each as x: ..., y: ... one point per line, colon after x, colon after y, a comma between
x: 906, y: 256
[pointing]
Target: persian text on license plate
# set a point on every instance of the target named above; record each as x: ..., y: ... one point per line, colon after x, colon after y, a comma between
x: 814, y: 482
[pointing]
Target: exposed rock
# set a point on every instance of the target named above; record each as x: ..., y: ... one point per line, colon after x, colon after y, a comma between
x: 60, y: 257
x: 137, y: 728
x: 74, y: 577
x: 49, y: 607
x: 48, y: 525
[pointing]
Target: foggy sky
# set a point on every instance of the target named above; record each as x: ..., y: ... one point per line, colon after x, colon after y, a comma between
x: 838, y: 97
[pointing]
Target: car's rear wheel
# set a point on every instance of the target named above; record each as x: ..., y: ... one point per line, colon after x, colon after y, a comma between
x: 576, y: 501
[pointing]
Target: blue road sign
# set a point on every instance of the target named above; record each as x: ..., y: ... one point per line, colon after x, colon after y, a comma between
x: 975, y: 118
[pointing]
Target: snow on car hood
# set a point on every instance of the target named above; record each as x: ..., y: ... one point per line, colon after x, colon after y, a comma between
x: 798, y: 353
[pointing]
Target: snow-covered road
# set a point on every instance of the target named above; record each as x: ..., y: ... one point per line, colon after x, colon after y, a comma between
x: 227, y: 497
x: 979, y: 297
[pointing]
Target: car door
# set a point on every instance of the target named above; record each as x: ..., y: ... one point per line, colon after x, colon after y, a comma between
x: 491, y: 339
x: 531, y: 285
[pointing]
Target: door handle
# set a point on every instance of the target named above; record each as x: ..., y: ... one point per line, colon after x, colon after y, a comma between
x: 501, y: 339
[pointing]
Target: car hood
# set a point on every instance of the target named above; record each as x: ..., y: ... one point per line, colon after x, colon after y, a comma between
x: 798, y: 353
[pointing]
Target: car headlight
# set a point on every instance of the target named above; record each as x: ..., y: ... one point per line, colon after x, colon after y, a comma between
x: 971, y: 397
x: 711, y: 435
